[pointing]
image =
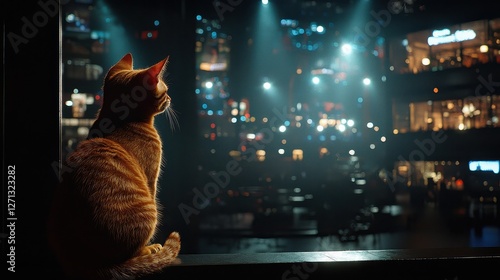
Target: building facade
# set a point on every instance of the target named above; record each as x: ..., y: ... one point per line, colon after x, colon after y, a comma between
x: 443, y: 89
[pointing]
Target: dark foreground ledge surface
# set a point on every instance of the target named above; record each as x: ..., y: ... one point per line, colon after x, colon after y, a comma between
x: 451, y: 264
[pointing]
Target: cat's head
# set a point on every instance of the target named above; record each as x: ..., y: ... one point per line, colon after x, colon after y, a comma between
x: 134, y: 94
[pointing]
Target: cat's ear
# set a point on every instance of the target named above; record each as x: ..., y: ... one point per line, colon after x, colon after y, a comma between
x: 125, y: 63
x: 156, y: 71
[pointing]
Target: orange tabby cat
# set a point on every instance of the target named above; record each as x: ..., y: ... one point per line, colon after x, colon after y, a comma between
x: 105, y: 212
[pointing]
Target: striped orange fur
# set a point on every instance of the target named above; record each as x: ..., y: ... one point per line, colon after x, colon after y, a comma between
x: 104, y: 212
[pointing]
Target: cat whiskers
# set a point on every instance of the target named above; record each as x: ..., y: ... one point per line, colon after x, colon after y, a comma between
x: 171, y: 116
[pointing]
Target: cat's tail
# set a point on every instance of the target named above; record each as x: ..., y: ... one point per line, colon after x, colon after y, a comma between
x: 150, y: 263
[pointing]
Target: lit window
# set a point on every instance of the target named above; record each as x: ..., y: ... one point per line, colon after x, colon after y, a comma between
x: 297, y: 154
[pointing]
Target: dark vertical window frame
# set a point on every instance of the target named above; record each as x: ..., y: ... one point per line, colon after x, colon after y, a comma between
x: 31, y: 129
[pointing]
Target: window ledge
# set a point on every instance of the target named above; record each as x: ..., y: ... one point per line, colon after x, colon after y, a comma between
x: 461, y: 263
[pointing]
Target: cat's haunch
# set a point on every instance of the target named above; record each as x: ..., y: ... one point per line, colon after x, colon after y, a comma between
x: 104, y: 211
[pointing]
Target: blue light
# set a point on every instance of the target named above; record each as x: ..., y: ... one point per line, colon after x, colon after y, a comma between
x: 322, y: 138
x: 197, y: 91
x: 204, y: 106
x: 309, y: 137
x: 220, y: 112
x: 70, y: 18
x: 242, y: 118
x: 210, y: 112
x: 198, y: 17
x: 156, y: 22
x: 287, y: 123
x: 485, y: 165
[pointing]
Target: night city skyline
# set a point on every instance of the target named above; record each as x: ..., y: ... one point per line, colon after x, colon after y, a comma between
x: 314, y: 88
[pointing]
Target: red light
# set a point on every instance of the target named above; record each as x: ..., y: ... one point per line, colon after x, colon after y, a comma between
x: 149, y: 34
x: 212, y: 125
x: 97, y: 97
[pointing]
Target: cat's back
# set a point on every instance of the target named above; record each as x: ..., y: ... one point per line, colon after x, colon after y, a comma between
x: 100, y: 162
x: 93, y: 151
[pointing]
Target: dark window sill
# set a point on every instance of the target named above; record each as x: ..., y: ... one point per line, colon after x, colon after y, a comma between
x: 462, y: 263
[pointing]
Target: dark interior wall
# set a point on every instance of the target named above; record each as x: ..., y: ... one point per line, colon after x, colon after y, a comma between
x: 30, y: 130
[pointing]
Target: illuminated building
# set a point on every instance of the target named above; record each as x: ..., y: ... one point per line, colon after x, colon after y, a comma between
x: 85, y: 57
x: 443, y: 91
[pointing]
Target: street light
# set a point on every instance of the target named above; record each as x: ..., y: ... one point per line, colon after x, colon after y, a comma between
x: 346, y: 49
x: 367, y: 81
